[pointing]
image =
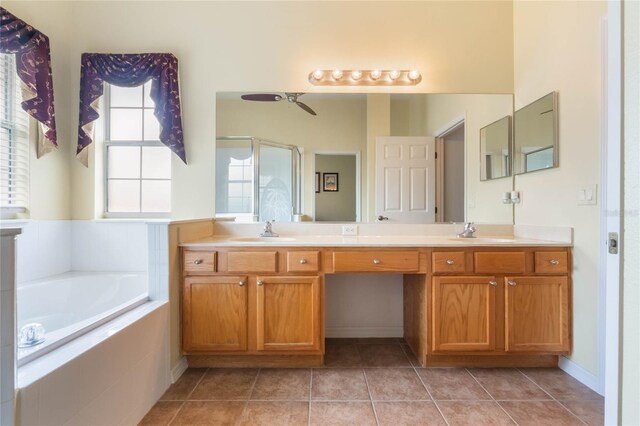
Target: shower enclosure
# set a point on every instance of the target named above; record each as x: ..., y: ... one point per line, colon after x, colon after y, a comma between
x: 273, y: 195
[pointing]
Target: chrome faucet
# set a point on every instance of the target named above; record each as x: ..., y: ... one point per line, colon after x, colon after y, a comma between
x: 268, y: 231
x: 468, y: 232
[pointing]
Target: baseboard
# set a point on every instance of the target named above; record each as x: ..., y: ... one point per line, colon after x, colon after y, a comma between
x: 178, y: 369
x: 580, y: 374
x: 343, y: 332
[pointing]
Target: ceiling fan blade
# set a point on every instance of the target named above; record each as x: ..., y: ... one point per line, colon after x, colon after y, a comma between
x: 262, y: 97
x: 306, y: 108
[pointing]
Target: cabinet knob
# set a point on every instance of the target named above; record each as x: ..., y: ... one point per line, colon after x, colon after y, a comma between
x: 376, y: 261
x: 259, y: 283
x: 554, y: 262
x: 493, y: 283
x: 450, y: 262
x: 241, y: 283
x: 197, y: 261
x: 303, y: 261
x: 512, y: 283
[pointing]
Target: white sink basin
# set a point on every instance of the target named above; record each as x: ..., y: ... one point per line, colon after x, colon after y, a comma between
x: 483, y: 240
x: 261, y: 240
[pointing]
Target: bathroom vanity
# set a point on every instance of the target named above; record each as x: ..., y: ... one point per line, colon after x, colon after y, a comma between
x: 467, y: 302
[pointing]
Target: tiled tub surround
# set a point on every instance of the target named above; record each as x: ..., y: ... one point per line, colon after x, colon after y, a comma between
x: 376, y: 381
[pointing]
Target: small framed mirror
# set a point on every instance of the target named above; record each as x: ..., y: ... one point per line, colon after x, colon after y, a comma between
x: 536, y: 135
x: 495, y: 149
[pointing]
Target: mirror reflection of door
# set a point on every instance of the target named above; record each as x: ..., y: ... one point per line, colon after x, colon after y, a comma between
x: 337, y: 198
x: 453, y: 180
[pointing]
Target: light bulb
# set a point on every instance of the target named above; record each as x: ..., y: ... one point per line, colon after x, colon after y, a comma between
x: 356, y: 75
x: 317, y: 74
x: 375, y: 74
x: 414, y: 75
x: 393, y: 74
x: 337, y: 74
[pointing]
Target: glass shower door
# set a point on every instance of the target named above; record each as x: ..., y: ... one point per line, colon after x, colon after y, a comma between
x: 275, y: 184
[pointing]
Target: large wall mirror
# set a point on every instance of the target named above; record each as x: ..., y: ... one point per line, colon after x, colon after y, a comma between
x: 357, y: 157
x: 536, y: 135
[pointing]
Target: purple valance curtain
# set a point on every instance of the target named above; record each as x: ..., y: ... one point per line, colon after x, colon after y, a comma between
x: 130, y: 70
x: 33, y: 65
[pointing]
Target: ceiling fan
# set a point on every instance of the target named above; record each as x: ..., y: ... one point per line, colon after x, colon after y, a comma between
x: 271, y: 97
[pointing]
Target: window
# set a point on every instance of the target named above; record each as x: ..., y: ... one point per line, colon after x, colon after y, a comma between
x: 138, y: 169
x: 14, y: 140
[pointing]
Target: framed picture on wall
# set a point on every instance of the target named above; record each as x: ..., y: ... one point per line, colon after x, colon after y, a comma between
x: 330, y: 182
x: 317, y: 182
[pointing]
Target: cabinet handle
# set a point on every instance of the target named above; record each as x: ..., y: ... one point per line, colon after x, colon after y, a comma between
x: 241, y: 283
x: 512, y: 283
x: 493, y: 283
x: 260, y: 283
x: 303, y: 261
x: 450, y: 262
x: 376, y: 261
x: 197, y: 261
x: 554, y: 262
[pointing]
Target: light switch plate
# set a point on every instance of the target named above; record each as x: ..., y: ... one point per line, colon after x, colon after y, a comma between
x: 349, y: 229
x: 588, y: 195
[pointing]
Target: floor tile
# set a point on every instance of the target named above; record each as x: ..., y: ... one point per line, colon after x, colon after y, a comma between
x: 383, y: 355
x: 342, y: 413
x: 379, y: 340
x: 508, y: 384
x: 590, y: 411
x: 273, y: 413
x: 540, y: 413
x: 339, y: 384
x: 209, y: 413
x: 225, y: 384
x: 181, y: 389
x: 412, y: 358
x: 559, y: 384
x: 342, y: 356
x: 452, y: 384
x: 408, y: 413
x: 161, y: 413
x: 398, y: 384
x: 282, y: 384
x: 476, y: 413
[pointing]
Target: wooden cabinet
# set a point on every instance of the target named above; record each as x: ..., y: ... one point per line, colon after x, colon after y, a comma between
x: 537, y: 314
x: 463, y: 313
x: 376, y: 261
x: 288, y: 313
x: 215, y: 313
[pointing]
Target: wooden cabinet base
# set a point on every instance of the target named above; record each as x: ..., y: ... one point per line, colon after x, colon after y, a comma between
x: 255, y: 361
x: 491, y: 361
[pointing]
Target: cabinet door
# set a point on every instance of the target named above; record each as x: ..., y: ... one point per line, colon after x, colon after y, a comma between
x: 463, y: 314
x: 288, y: 313
x: 215, y: 314
x: 537, y: 314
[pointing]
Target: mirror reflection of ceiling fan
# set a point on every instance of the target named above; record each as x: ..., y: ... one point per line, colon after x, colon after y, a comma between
x: 272, y: 97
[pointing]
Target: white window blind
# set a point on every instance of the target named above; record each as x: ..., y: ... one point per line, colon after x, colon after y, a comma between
x: 14, y: 139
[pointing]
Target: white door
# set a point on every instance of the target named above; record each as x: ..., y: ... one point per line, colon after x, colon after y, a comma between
x: 405, y: 179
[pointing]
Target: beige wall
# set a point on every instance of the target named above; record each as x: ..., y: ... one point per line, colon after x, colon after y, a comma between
x: 339, y: 126
x: 337, y: 206
x: 463, y: 47
x: 631, y: 238
x: 49, y: 192
x: 557, y: 47
x: 484, y: 199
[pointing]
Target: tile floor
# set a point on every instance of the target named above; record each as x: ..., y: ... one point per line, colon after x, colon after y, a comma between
x: 376, y: 382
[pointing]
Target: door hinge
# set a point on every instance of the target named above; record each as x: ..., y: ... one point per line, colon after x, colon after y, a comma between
x: 613, y: 243
x: 436, y: 210
x: 436, y: 155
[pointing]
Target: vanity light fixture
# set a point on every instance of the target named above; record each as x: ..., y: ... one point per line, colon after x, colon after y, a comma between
x: 375, y: 77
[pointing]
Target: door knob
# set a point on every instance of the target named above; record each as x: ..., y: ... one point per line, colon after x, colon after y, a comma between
x: 303, y: 261
x: 197, y: 261
x: 554, y: 262
x: 493, y: 283
x: 260, y: 283
x: 376, y: 261
x: 241, y: 283
x: 381, y: 218
x: 450, y: 262
x: 512, y: 283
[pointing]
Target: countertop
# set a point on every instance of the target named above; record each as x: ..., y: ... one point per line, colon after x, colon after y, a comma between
x: 366, y: 241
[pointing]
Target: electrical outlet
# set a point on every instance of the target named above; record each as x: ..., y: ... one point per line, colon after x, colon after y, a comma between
x: 349, y: 229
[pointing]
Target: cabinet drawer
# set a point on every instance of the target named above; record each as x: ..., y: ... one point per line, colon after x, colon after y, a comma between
x: 199, y: 261
x: 448, y: 261
x: 252, y: 261
x: 303, y: 261
x: 500, y: 262
x: 551, y: 262
x: 378, y: 261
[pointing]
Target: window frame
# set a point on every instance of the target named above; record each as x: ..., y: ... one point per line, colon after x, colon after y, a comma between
x: 127, y: 143
x: 19, y: 135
